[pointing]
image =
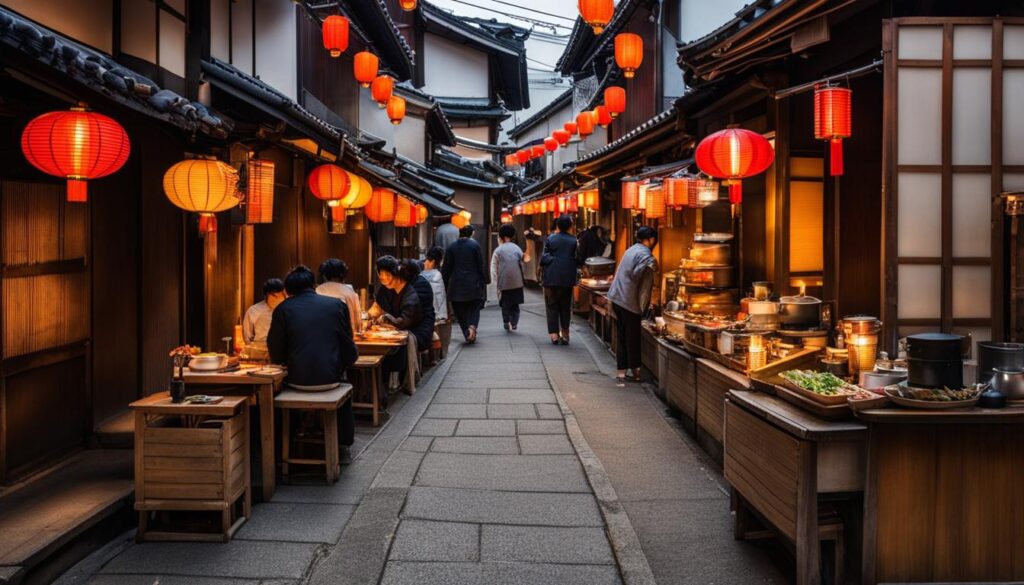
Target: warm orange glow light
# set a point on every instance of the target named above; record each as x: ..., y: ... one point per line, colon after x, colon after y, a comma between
x: 259, y: 195
x: 396, y: 109
x: 629, y: 53
x: 365, y: 65
x: 381, y: 89
x: 335, y: 33
x: 202, y: 186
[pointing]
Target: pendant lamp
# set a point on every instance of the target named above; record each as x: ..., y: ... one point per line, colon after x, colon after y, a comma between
x: 381, y: 89
x: 629, y: 53
x: 550, y: 144
x: 571, y: 128
x: 407, y: 5
x: 602, y: 116
x: 335, y: 33
x: 833, y: 121
x: 585, y: 123
x: 259, y: 191
x: 328, y: 183
x: 396, y: 109
x: 597, y: 13
x: 562, y: 137
x: 732, y: 154
x: 202, y: 186
x: 615, y: 100
x: 381, y: 207
x: 405, y: 213
x: 365, y: 65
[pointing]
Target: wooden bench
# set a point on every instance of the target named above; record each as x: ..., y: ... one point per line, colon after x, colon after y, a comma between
x: 368, y: 369
x: 327, y: 403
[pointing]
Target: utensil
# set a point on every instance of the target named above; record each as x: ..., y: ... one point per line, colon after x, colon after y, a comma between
x: 896, y: 396
x: 208, y: 363
x: 877, y: 380
x: 800, y: 312
x: 1009, y: 382
x: 994, y: 354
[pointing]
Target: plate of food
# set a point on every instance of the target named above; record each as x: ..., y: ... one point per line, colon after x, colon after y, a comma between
x: 822, y: 387
x: 863, y: 399
x: 932, y: 398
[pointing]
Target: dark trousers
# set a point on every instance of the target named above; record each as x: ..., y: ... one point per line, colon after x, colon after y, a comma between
x: 510, y: 308
x: 346, y: 424
x: 627, y: 331
x: 558, y: 306
x: 467, y: 313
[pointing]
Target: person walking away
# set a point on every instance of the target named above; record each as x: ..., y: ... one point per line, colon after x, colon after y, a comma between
x: 446, y: 235
x: 507, y: 272
x: 311, y: 336
x: 559, y: 264
x: 630, y: 295
x: 432, y: 274
x: 332, y: 277
x: 465, y: 279
x: 256, y: 323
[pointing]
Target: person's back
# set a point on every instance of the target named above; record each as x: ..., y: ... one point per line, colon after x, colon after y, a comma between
x: 424, y: 330
x: 626, y: 289
x: 446, y: 235
x: 508, y: 266
x: 463, y: 269
x: 559, y: 260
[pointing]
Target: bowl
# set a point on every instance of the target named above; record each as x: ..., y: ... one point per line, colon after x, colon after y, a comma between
x: 208, y: 363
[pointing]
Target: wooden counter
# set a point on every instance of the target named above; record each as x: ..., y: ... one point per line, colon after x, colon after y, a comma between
x: 944, y: 496
x: 714, y: 382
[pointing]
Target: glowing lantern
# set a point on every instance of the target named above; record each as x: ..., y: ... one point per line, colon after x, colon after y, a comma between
x: 396, y: 109
x: 572, y: 204
x: 407, y: 5
x: 259, y: 191
x: 597, y: 13
x: 381, y: 89
x: 506, y: 217
x: 630, y: 194
x: 202, y: 186
x: 561, y: 137
x: 615, y: 100
x: 585, y: 123
x: 655, y: 203
x: 571, y: 128
x: 359, y: 194
x: 335, y: 33
x: 833, y: 122
x: 511, y: 160
x: 77, y: 145
x: 329, y: 183
x: 405, y: 213
x: 537, y: 151
x: 602, y: 116
x: 365, y: 66
x: 550, y: 144
x: 732, y: 154
x: 701, y: 193
x: 517, y: 210
x: 461, y: 219
x: 381, y: 207
x: 561, y: 205
x: 677, y: 190
x: 592, y: 200
x: 629, y: 53
x: 523, y: 156
x: 422, y: 213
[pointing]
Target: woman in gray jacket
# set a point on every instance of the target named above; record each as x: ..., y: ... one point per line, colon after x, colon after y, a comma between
x: 630, y: 295
x: 507, y: 272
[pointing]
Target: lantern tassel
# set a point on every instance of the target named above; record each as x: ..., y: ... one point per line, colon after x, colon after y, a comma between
x: 736, y: 192
x: 836, y: 157
x: 207, y: 224
x: 78, y: 191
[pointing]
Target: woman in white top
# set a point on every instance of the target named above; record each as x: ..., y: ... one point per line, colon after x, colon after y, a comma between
x: 332, y: 278
x: 432, y: 272
x: 256, y: 322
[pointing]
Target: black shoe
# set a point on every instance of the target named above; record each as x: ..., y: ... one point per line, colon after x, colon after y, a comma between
x: 556, y: 341
x: 515, y: 326
x: 344, y: 455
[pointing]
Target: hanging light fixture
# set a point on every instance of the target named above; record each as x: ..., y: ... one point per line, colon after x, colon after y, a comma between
x: 676, y: 191
x: 335, y: 33
x: 422, y: 213
x: 461, y: 219
x: 365, y: 65
x: 359, y: 193
x: 517, y: 210
x: 615, y: 100
x: 701, y: 192
x: 537, y: 151
x: 593, y: 201
x: 833, y: 121
x: 585, y: 123
x: 597, y: 13
x: 602, y: 116
x: 381, y: 89
x: 405, y: 213
x: 732, y: 154
x: 381, y: 207
x: 523, y: 156
x: 396, y: 109
x: 571, y: 128
x: 77, y: 145
x: 506, y: 217
x: 630, y: 194
x: 562, y: 137
x: 629, y: 53
x: 329, y: 183
x: 259, y: 191
x: 407, y: 5
x: 550, y: 144
x: 654, y: 205
x: 202, y: 186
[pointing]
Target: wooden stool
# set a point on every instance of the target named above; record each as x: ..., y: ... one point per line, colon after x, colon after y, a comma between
x: 369, y: 367
x: 327, y: 402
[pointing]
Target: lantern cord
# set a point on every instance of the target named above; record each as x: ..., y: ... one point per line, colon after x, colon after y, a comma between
x: 873, y: 67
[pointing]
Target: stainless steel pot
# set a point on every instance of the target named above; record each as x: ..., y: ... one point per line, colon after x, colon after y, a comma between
x: 1009, y: 382
x: 800, y: 312
x: 994, y: 355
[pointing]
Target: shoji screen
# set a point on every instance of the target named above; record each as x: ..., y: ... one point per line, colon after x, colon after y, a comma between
x: 954, y: 141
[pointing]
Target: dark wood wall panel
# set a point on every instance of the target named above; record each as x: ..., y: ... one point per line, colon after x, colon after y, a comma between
x: 41, y: 312
x: 276, y: 245
x: 329, y: 79
x: 642, y: 100
x: 223, y: 285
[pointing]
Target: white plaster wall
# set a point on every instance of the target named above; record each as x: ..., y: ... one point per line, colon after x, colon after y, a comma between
x: 137, y: 37
x: 220, y: 33
x: 241, y: 35
x: 172, y: 43
x: 409, y: 137
x: 454, y: 70
x: 88, y: 22
x: 478, y: 133
x: 276, y: 45
x: 700, y: 17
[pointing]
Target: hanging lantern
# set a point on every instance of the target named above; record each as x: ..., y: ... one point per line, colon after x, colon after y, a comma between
x: 77, y: 145
x: 602, y: 116
x: 585, y: 123
x: 381, y: 207
x: 511, y: 161
x: 259, y: 191
x: 202, y: 186
x: 676, y: 191
x: 629, y: 53
x: 833, y: 122
x: 732, y: 154
x: 641, y: 195
x: 381, y: 89
x: 523, y: 156
x: 615, y: 100
x: 506, y: 217
x: 517, y: 210
x: 630, y: 194
x: 561, y: 137
x: 550, y: 144
x: 407, y: 5
x: 561, y: 205
x: 701, y: 192
x: 597, y: 13
x: 461, y: 219
x: 329, y: 183
x: 592, y: 200
x: 654, y: 205
x: 405, y: 213
x: 422, y: 213
x: 365, y: 66
x: 359, y: 193
x: 572, y: 204
x: 396, y: 109
x: 537, y: 151
x: 571, y: 128
x: 335, y: 33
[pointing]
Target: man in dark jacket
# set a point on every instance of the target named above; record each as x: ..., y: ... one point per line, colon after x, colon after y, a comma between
x: 559, y: 264
x: 465, y: 278
x: 311, y: 335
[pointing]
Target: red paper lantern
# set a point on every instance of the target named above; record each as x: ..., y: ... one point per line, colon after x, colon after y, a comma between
x: 506, y: 217
x: 77, y: 145
x: 572, y: 204
x: 537, y: 151
x: 597, y: 13
x: 422, y: 213
x: 602, y: 116
x: 523, y: 156
x: 593, y: 201
x: 365, y: 65
x: 462, y: 219
x: 517, y: 210
x: 732, y: 154
x: 561, y: 137
x: 550, y: 144
x: 571, y: 128
x: 407, y: 5
x: 259, y: 192
x: 329, y: 183
x: 396, y: 109
x: 381, y: 207
x: 833, y: 121
x: 654, y: 207
x: 615, y: 100
x: 630, y: 194
x: 585, y: 123
x: 405, y: 213
x: 629, y: 53
x: 511, y: 160
x: 335, y: 33
x: 677, y: 190
x: 381, y: 89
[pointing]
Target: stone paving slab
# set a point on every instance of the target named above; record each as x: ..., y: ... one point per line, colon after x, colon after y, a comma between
x: 399, y: 470
x: 529, y: 473
x: 473, y: 395
x: 417, y: 443
x: 549, y: 411
x: 541, y: 509
x: 412, y: 573
x: 477, y: 445
x: 245, y: 559
x: 545, y: 445
x: 176, y: 580
x: 418, y: 540
x: 486, y: 428
x: 510, y: 382
x: 296, y: 522
x: 511, y: 411
x: 435, y: 427
x: 456, y: 411
x: 545, y: 544
x: 513, y: 394
x: 541, y: 427
x: 349, y: 489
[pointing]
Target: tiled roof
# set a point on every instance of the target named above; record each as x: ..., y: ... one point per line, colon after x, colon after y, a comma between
x: 373, y: 18
x: 630, y: 136
x: 583, y: 45
x: 457, y: 107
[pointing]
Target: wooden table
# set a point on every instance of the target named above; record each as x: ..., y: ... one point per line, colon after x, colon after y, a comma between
x: 261, y: 388
x: 943, y: 499
x: 779, y: 459
x: 389, y: 346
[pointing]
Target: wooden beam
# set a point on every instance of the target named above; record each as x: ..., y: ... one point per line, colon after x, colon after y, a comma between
x: 44, y: 268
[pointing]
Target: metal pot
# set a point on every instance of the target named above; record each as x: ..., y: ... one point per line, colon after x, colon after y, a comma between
x: 994, y: 355
x: 1009, y: 382
x: 598, y: 266
x: 711, y: 253
x: 800, y: 312
x: 710, y: 276
x: 935, y: 346
x: 935, y: 373
x: 873, y: 380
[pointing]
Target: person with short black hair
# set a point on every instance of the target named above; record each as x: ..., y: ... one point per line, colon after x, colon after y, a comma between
x: 465, y: 277
x: 630, y: 295
x: 507, y: 272
x: 559, y: 264
x: 332, y: 284
x: 312, y: 337
x: 405, y: 301
x: 256, y: 323
x: 432, y: 274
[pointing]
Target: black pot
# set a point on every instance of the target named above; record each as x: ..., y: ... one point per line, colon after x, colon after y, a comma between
x: 993, y: 355
x: 935, y: 373
x: 935, y: 346
x: 799, y: 312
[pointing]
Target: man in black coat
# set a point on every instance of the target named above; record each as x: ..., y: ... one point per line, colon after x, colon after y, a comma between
x: 559, y: 264
x: 466, y: 277
x: 311, y: 335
